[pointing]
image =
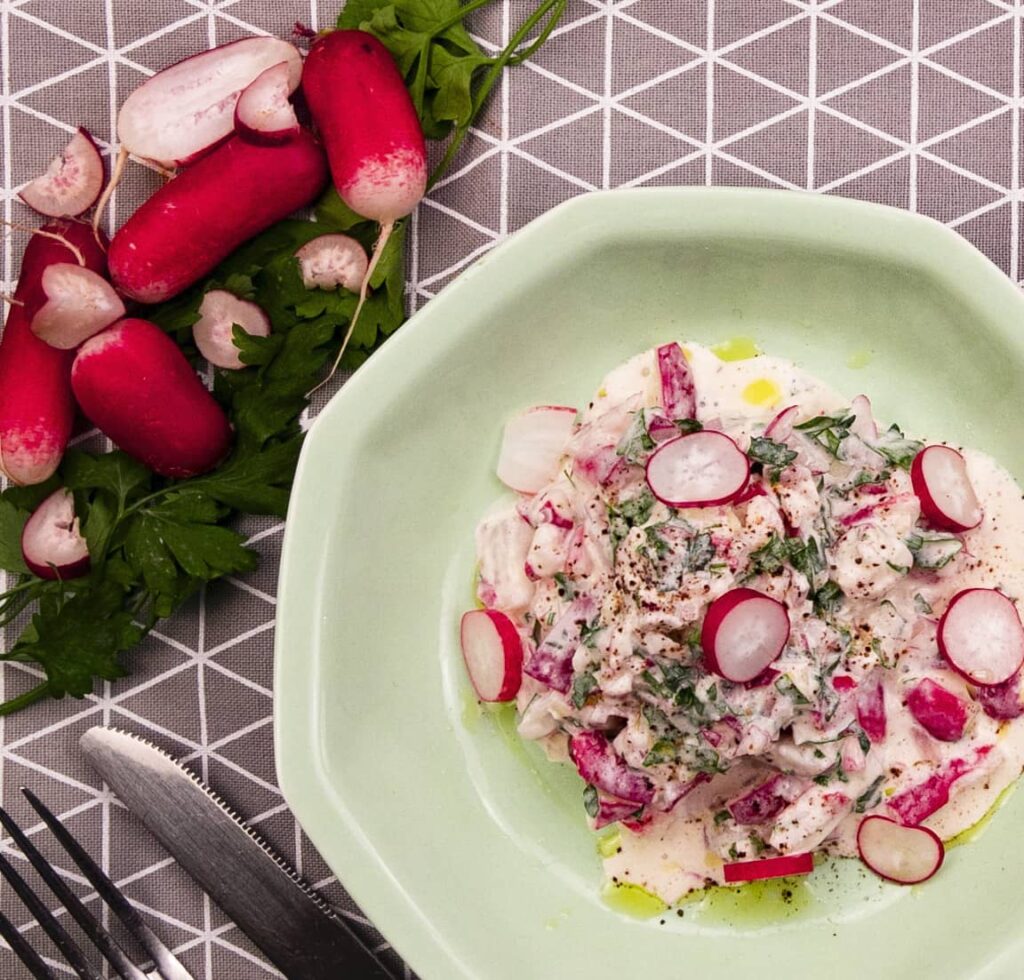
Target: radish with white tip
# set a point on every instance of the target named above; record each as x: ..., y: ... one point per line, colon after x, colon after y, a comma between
x: 940, y: 480
x: 743, y: 632
x: 51, y: 541
x: 981, y: 636
x: 72, y: 182
x: 775, y: 867
x: 219, y: 313
x: 330, y: 261
x: 79, y: 304
x: 698, y: 470
x: 532, y: 446
x: 493, y: 653
x: 263, y: 112
x: 905, y: 855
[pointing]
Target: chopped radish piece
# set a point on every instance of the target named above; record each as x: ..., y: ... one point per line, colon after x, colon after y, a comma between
x: 601, y: 766
x: 1001, y: 701
x: 493, y: 653
x: 71, y: 183
x: 940, y: 480
x: 610, y: 810
x: 981, y: 635
x: 906, y: 855
x: 698, y: 470
x: 51, y: 543
x: 331, y: 261
x: 532, y: 447
x: 263, y: 112
x: 863, y: 424
x: 921, y: 801
x: 871, y: 710
x: 79, y: 304
x: 219, y: 313
x: 938, y: 711
x: 677, y: 392
x: 765, y: 802
x: 775, y: 867
x: 551, y: 662
x: 743, y: 632
x: 781, y: 427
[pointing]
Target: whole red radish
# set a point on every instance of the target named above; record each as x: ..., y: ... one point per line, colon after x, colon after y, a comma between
x: 51, y: 542
x: 193, y: 222
x: 36, y: 406
x: 136, y: 386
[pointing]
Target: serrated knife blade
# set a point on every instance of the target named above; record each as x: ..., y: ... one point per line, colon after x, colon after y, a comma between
x: 299, y: 932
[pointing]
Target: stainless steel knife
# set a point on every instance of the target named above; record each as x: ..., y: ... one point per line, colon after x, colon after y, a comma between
x: 299, y: 932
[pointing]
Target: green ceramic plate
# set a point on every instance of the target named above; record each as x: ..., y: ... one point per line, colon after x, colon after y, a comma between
x: 468, y: 850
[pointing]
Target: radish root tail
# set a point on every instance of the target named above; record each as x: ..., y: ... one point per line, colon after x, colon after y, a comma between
x: 364, y: 290
x: 115, y: 179
x: 70, y: 246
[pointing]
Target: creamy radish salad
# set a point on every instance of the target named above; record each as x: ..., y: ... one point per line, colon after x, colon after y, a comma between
x: 759, y: 624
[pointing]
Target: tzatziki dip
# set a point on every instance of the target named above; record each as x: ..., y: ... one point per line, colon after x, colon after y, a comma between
x: 760, y: 624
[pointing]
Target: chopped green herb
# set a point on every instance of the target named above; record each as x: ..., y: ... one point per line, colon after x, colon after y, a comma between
x: 589, y: 631
x: 566, y: 586
x: 933, y: 551
x: 774, y: 456
x: 818, y: 754
x: 590, y: 801
x: 657, y: 547
x: 734, y: 854
x: 688, y: 426
x: 828, y: 430
x: 864, y: 742
x: 835, y: 771
x: 828, y: 599
x: 788, y: 689
x: 901, y: 569
x: 663, y: 750
x: 870, y: 797
x: 699, y: 552
x: 582, y: 686
x: 636, y: 443
x: 721, y: 817
x: 922, y: 605
x: 897, y: 448
x: 758, y: 844
x: 535, y: 633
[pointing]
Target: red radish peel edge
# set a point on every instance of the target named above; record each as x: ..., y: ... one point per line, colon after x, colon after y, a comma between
x: 774, y: 867
x: 982, y: 637
x: 942, y: 485
x: 701, y: 469
x: 904, y: 855
x: 493, y: 653
x: 51, y: 542
x: 743, y: 632
x: 263, y: 113
x: 72, y: 182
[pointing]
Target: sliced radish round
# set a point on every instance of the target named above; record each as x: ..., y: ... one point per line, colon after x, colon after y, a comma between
x: 774, y: 867
x: 533, y: 445
x: 51, y: 543
x: 940, y: 480
x: 263, y: 113
x: 698, y: 470
x: 743, y: 632
x: 71, y: 183
x: 79, y: 304
x: 906, y: 855
x: 493, y: 653
x: 219, y: 313
x: 781, y: 427
x: 981, y: 635
x: 331, y: 261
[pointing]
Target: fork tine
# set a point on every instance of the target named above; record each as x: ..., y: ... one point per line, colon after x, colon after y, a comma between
x: 102, y: 939
x: 69, y: 948
x: 24, y: 952
x: 167, y: 964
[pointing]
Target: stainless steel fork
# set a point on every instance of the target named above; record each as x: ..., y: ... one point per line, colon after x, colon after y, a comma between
x: 166, y: 965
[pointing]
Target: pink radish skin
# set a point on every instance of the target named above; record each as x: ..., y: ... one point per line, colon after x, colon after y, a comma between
x: 551, y: 662
x: 701, y: 469
x: 765, y: 802
x: 920, y: 802
x: 219, y: 313
x: 133, y: 382
x: 677, y: 392
x: 36, y: 406
x: 51, y: 542
x: 188, y: 108
x: 781, y: 427
x: 263, y: 113
x: 610, y: 810
x: 948, y: 501
x: 938, y: 711
x: 871, y: 714
x: 1001, y: 701
x: 532, y: 447
x: 981, y: 636
x: 331, y: 261
x: 905, y: 855
x: 190, y: 224
x: 601, y: 766
x: 493, y: 653
x: 774, y: 867
x: 72, y: 182
x: 79, y: 304
x: 743, y: 632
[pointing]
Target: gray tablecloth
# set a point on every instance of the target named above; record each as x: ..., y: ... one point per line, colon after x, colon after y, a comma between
x: 914, y: 103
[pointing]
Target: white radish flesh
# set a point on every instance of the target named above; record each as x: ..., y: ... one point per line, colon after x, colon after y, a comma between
x: 331, y: 261
x: 863, y: 425
x: 981, y: 635
x: 743, y: 632
x: 51, y: 542
x: 263, y: 113
x: 533, y: 445
x: 71, y: 183
x: 79, y: 304
x: 905, y: 855
x: 189, y: 107
x: 940, y: 480
x: 698, y: 470
x: 219, y: 313
x: 493, y: 654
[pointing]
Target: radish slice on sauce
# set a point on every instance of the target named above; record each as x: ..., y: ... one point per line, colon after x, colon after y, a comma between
x: 79, y: 304
x: 776, y: 867
x: 698, y: 470
x: 743, y: 632
x: 940, y: 480
x: 493, y: 653
x: 263, y: 113
x: 51, y: 543
x: 71, y: 183
x: 981, y: 635
x: 781, y: 427
x: 905, y: 855
x: 532, y: 447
